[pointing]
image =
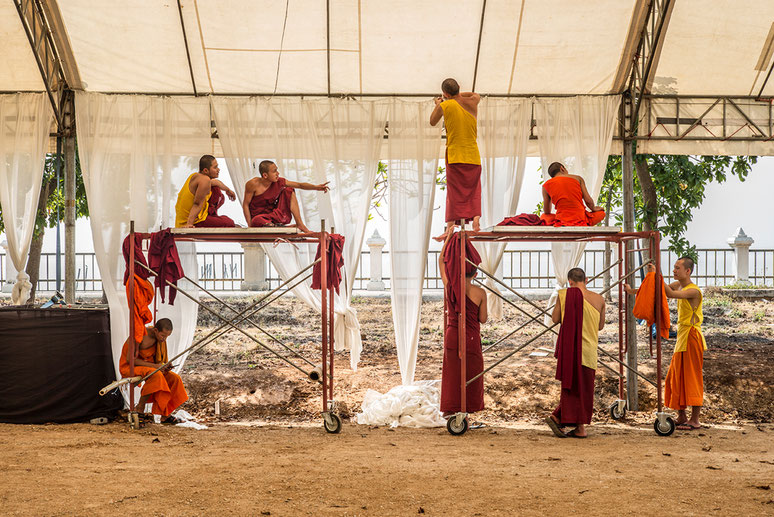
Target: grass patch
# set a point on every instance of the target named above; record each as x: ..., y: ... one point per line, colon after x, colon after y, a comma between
x: 724, y: 302
x: 742, y: 285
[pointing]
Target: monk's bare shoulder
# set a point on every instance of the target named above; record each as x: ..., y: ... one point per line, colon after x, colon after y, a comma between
x: 476, y: 293
x: 597, y: 300
x: 579, y: 179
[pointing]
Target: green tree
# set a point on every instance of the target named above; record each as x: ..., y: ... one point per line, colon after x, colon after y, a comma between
x: 667, y: 191
x: 381, y: 187
x: 51, y: 209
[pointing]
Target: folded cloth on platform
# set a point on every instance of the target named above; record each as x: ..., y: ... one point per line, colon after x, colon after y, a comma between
x: 522, y: 220
x: 451, y: 258
x: 165, y: 261
x: 645, y: 302
x: 335, y: 262
x: 138, y: 256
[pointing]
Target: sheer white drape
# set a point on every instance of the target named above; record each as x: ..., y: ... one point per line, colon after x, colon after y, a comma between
x: 503, y: 136
x: 313, y: 141
x: 413, y: 151
x: 25, y: 122
x: 578, y: 132
x: 136, y: 153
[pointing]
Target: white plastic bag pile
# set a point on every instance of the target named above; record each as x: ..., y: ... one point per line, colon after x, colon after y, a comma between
x: 417, y: 405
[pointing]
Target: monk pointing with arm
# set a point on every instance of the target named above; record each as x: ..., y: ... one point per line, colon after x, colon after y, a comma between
x: 463, y: 161
x: 271, y: 200
x: 192, y: 208
x: 567, y: 192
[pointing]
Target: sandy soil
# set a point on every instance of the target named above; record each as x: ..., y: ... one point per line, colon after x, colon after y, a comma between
x: 266, y: 454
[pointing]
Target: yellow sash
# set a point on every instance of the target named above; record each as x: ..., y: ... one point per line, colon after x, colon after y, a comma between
x: 689, y: 318
x: 185, y: 200
x: 590, y: 331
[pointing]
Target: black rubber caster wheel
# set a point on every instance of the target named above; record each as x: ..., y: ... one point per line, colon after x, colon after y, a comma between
x: 666, y: 429
x: 333, y: 425
x: 456, y: 429
x: 615, y: 413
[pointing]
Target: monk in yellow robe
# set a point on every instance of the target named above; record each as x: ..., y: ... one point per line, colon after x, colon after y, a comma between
x: 164, y: 389
x: 567, y: 192
x: 582, y: 315
x: 463, y: 161
x: 192, y: 208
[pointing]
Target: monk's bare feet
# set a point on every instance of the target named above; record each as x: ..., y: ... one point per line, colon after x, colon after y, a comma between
x: 476, y: 224
x: 682, y: 417
x: 445, y: 235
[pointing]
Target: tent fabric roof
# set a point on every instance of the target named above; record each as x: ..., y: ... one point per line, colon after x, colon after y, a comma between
x: 527, y: 47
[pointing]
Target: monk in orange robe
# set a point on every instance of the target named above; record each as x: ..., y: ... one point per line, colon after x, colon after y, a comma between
x: 582, y: 315
x: 463, y: 161
x: 475, y: 314
x: 271, y: 200
x: 193, y: 201
x: 684, y: 385
x: 567, y: 192
x: 164, y: 389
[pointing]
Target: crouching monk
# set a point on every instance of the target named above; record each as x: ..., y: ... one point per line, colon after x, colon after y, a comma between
x: 567, y: 192
x: 164, y: 389
x: 474, y: 299
x: 193, y: 201
x: 271, y: 200
x: 582, y: 315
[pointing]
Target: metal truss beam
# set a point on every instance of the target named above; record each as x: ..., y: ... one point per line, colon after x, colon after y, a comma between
x: 36, y: 27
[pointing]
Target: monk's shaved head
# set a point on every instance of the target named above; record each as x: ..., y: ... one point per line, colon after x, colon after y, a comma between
x: 450, y: 87
x: 554, y: 169
x: 205, y: 162
x: 576, y: 274
x: 263, y: 167
x: 164, y: 324
x: 688, y: 263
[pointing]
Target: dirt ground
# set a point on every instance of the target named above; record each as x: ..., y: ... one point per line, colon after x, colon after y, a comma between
x: 267, y: 454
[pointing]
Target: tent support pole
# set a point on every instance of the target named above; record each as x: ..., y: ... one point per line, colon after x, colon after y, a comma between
x: 68, y: 116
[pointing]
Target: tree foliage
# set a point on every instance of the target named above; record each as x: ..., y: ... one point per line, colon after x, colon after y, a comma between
x: 381, y: 188
x: 679, y: 183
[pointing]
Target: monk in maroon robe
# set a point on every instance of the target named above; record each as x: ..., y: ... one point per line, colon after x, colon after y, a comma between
x: 582, y: 315
x: 474, y: 299
x: 271, y: 201
x: 214, y: 220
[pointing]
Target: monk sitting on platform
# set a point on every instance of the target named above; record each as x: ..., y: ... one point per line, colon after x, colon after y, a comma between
x: 684, y: 385
x: 475, y: 314
x: 582, y: 314
x: 567, y: 192
x: 164, y: 389
x: 271, y: 201
x: 193, y: 201
x: 463, y: 162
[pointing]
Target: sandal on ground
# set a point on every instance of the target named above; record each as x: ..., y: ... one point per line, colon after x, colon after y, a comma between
x: 572, y: 434
x: 555, y: 427
x: 477, y: 425
x: 688, y: 427
x: 171, y: 419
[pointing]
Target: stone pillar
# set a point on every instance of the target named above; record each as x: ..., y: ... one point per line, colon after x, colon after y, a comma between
x: 741, y: 243
x: 10, y: 270
x: 254, y: 267
x: 376, y: 245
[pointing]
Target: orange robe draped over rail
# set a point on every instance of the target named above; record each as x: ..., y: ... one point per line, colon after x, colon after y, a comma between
x: 165, y: 390
x: 576, y: 354
x: 684, y: 384
x: 567, y: 198
x: 645, y: 302
x: 272, y: 207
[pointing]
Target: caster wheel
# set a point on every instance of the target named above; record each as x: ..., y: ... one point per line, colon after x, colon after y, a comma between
x: 666, y: 429
x: 615, y: 413
x: 332, y: 424
x: 455, y: 429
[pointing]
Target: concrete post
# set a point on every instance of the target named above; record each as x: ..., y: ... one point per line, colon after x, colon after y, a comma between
x: 10, y: 270
x: 254, y: 267
x: 376, y: 245
x: 741, y: 243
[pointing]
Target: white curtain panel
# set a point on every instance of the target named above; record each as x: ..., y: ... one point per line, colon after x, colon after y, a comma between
x: 503, y: 136
x: 312, y: 140
x: 577, y: 131
x: 136, y: 153
x: 25, y: 122
x: 413, y: 151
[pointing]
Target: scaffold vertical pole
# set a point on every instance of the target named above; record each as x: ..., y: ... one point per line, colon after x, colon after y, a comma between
x: 621, y: 320
x: 132, y: 337
x: 324, y: 313
x: 461, y: 338
x: 656, y: 257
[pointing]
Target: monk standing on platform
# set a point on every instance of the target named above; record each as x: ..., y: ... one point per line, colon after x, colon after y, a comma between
x: 475, y: 314
x: 582, y: 314
x: 463, y: 162
x: 684, y: 384
x: 193, y: 201
x: 271, y: 201
x: 164, y: 389
x: 568, y: 193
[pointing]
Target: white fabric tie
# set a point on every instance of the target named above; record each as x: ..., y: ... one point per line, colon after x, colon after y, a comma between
x: 21, y: 289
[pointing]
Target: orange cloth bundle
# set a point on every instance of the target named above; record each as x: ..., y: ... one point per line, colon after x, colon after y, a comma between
x: 645, y: 302
x: 141, y: 314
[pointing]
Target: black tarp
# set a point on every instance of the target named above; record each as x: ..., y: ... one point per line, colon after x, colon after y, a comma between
x: 53, y: 362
